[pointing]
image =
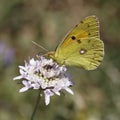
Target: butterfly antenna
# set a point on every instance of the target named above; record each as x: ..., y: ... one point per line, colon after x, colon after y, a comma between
x: 40, y: 46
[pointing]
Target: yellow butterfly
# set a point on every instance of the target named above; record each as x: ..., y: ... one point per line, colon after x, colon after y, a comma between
x: 81, y: 47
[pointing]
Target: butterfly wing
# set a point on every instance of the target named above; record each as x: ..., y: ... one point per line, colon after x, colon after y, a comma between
x: 88, y: 27
x: 88, y: 54
x: 84, y: 36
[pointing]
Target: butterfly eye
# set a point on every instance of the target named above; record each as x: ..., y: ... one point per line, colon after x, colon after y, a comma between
x: 73, y: 37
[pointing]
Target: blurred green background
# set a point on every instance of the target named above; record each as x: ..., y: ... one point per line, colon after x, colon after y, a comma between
x: 96, y: 93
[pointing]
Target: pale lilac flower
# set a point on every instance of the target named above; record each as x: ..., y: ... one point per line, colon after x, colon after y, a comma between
x: 46, y: 75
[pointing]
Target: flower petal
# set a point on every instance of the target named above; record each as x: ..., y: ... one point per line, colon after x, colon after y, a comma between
x: 47, y: 99
x: 23, y: 89
x: 18, y: 77
x: 58, y: 93
x: 69, y: 90
x: 48, y: 93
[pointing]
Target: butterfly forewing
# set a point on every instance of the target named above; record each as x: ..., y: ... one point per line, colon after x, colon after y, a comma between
x: 88, y: 27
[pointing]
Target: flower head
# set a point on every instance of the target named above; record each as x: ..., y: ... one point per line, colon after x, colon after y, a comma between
x: 44, y: 74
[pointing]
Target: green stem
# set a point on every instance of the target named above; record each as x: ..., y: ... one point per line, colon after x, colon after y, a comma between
x: 36, y: 106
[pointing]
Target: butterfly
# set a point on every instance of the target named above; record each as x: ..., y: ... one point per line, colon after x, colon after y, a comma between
x: 82, y: 46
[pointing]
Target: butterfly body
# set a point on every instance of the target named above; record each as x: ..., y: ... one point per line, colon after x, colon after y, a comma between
x: 82, y: 47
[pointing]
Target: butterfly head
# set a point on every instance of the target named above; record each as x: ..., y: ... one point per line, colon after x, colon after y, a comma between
x: 50, y: 54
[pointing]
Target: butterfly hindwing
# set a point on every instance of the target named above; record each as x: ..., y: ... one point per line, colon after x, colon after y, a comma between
x: 86, y: 56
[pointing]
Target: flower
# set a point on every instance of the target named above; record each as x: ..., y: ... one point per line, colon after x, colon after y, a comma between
x: 46, y: 75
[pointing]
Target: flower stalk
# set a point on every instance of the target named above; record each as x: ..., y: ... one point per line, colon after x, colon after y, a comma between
x: 36, y: 106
